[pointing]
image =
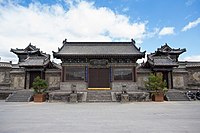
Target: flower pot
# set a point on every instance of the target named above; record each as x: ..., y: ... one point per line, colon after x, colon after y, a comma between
x: 158, y: 97
x: 39, y: 97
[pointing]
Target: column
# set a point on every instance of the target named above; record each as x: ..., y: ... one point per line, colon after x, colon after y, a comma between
x: 25, y: 78
x: 62, y: 73
x: 134, y: 74
x: 170, y: 80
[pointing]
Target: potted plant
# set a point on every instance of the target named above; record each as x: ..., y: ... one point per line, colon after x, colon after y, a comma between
x: 39, y: 87
x: 158, y: 87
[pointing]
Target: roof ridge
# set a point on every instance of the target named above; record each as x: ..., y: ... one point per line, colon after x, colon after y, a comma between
x: 97, y: 43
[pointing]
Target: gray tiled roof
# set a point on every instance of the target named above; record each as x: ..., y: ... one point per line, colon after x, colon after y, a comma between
x: 30, y: 49
x: 98, y: 48
x: 5, y: 65
x: 56, y: 65
x: 180, y: 70
x: 22, y: 51
x: 192, y: 64
x: 167, y: 49
x: 187, y: 64
x: 162, y: 61
x: 34, y: 61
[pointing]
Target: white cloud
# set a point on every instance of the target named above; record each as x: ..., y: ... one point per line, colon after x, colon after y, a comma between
x: 192, y: 58
x: 189, y: 2
x: 166, y: 31
x: 153, y: 33
x: 191, y: 25
x: 47, y: 26
x: 125, y: 9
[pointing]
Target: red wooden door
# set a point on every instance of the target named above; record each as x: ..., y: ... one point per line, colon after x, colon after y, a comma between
x: 99, y: 78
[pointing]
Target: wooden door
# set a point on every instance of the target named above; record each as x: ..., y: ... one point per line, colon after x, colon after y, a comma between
x: 99, y: 78
x: 166, y: 78
x: 33, y: 75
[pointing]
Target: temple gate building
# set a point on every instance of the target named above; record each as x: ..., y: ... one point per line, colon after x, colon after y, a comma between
x: 99, y: 65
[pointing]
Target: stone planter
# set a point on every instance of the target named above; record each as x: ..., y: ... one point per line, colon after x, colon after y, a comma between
x: 158, y: 97
x: 39, y: 97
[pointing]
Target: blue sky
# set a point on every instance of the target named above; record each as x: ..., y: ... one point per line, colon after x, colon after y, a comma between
x: 45, y: 23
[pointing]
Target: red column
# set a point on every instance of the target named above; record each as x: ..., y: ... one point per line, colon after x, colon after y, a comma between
x: 135, y: 74
x: 62, y: 73
x: 25, y: 80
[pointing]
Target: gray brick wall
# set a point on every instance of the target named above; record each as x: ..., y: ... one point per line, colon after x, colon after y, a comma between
x: 67, y: 86
x: 130, y: 86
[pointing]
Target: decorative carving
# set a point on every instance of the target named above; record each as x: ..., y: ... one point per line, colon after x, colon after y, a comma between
x: 74, y: 60
x: 96, y: 62
x: 196, y: 76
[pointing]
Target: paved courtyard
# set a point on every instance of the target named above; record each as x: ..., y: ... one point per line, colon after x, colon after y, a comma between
x: 139, y: 117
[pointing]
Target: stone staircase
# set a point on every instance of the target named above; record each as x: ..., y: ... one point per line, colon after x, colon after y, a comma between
x: 99, y: 96
x: 20, y: 96
x: 176, y: 96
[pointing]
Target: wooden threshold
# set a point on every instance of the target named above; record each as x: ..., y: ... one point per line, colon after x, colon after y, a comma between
x: 99, y: 88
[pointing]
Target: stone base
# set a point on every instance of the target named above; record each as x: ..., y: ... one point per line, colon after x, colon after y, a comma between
x: 139, y: 96
x: 66, y: 97
x: 133, y: 96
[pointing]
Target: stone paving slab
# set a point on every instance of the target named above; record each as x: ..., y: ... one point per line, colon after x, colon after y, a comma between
x: 138, y: 117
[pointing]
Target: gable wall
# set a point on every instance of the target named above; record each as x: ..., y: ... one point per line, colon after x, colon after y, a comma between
x: 4, y: 77
x: 17, y: 79
x: 53, y: 78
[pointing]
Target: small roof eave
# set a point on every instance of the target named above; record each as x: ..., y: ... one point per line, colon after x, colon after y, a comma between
x: 166, y: 65
x: 56, y: 55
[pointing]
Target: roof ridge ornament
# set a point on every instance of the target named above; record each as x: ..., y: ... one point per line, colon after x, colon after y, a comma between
x: 133, y: 41
x: 65, y: 41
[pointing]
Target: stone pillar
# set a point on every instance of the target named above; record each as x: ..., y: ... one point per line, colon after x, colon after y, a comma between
x: 7, y: 77
x: 73, y: 95
x: 73, y: 98
x: 134, y: 74
x: 27, y: 78
x: 25, y: 82
x: 169, y: 80
x: 124, y: 98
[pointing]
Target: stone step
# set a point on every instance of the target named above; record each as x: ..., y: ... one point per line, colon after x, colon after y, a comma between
x: 93, y: 101
x: 20, y: 96
x: 176, y: 96
x: 99, y: 96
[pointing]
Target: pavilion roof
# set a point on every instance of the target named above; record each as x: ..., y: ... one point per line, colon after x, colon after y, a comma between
x: 167, y: 49
x: 30, y: 49
x: 99, y: 49
x: 158, y: 61
x: 35, y: 61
